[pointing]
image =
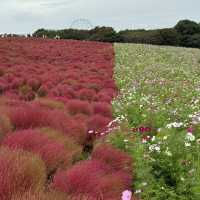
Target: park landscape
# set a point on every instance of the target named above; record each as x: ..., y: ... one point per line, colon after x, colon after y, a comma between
x: 68, y: 109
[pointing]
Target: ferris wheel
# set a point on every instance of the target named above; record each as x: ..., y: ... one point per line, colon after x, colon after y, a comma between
x: 81, y: 24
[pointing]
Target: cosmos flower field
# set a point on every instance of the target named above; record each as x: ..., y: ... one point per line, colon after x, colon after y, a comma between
x: 159, y: 88
x: 67, y: 114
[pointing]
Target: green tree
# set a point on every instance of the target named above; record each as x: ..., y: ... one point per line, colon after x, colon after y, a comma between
x: 187, y: 27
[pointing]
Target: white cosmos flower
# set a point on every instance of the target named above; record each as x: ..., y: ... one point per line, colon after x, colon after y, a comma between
x: 153, y: 138
x: 144, y: 141
x: 168, y: 153
x: 187, y: 144
x: 157, y: 148
x: 154, y: 147
x: 165, y: 137
x: 138, y: 191
x: 190, y: 137
x: 174, y: 124
x: 182, y: 179
x: 144, y: 184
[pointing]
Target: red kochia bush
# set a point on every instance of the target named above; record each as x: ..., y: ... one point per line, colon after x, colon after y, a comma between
x: 19, y: 172
x: 116, y: 158
x: 98, y: 123
x: 27, y: 116
x: 87, y: 94
x: 74, y: 128
x: 76, y: 106
x: 41, y: 195
x: 16, y: 83
x: 2, y: 87
x: 81, y: 178
x: 103, y: 108
x: 53, y: 153
x: 103, y: 97
x: 5, y: 125
x: 78, y: 131
x: 112, y: 185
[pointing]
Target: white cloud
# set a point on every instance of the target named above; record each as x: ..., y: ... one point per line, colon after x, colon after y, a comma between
x: 28, y: 15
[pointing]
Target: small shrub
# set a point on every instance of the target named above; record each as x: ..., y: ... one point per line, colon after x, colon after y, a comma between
x: 116, y: 158
x: 2, y: 72
x: 5, y: 126
x: 103, y: 97
x: 77, y: 106
x: 103, y: 109
x: 27, y: 116
x: 81, y: 178
x: 16, y: 83
x: 50, y: 104
x: 78, y: 131
x: 87, y: 94
x: 59, y: 120
x: 41, y: 195
x: 81, y: 117
x: 52, y: 153
x: 112, y: 185
x: 98, y: 123
x: 19, y: 172
x: 2, y: 88
x: 73, y: 149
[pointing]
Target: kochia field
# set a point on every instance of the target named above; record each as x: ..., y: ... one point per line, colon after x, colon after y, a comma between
x: 55, y: 105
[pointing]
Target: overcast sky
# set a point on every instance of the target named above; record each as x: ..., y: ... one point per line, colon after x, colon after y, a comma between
x: 25, y: 16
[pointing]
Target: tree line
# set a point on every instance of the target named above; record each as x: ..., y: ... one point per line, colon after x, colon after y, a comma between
x: 185, y: 33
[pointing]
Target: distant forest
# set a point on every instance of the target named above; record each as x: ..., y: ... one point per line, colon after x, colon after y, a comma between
x: 185, y: 33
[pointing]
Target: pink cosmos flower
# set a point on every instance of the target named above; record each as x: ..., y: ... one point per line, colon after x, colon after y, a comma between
x: 126, y: 195
x: 190, y: 130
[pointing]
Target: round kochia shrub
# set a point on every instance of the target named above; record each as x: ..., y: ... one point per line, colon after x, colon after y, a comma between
x: 98, y: 122
x: 112, y: 185
x: 41, y: 195
x: 116, y: 158
x: 103, y: 109
x: 92, y: 178
x: 5, y: 125
x: 86, y: 94
x: 69, y: 143
x: 19, y: 172
x: 2, y: 72
x: 52, y: 153
x: 50, y: 103
x: 81, y: 178
x: 76, y: 106
x: 69, y: 126
x: 27, y: 116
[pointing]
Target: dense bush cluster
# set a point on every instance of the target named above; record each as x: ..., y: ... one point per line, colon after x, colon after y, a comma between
x: 186, y: 33
x: 55, y: 105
